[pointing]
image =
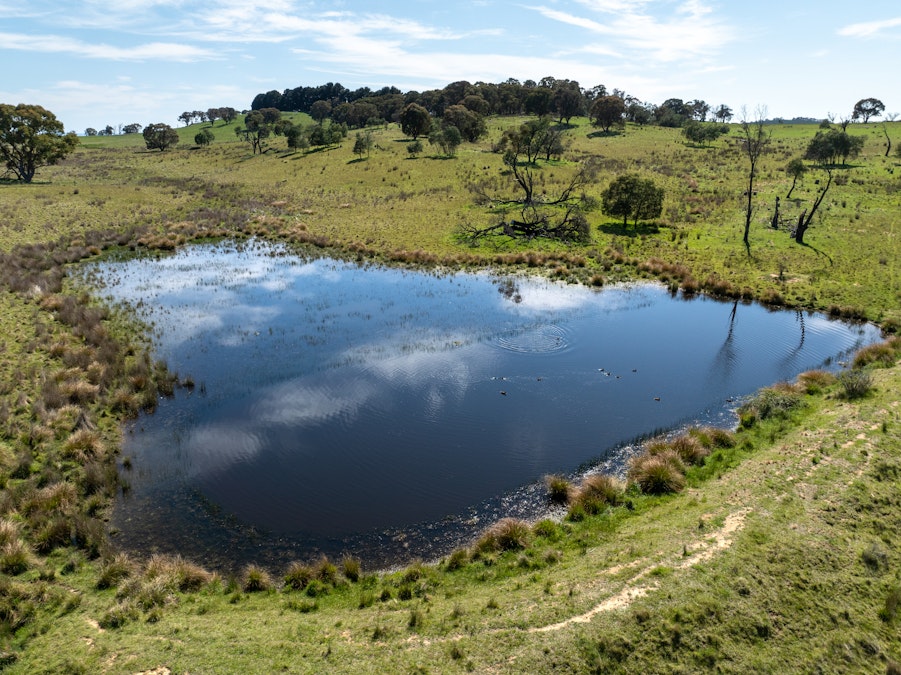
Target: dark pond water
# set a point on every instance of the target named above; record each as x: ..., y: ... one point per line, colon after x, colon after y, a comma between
x: 387, y: 413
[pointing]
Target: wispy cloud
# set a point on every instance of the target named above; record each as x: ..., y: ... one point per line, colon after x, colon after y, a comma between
x: 870, y: 28
x: 158, y: 51
x: 690, y: 31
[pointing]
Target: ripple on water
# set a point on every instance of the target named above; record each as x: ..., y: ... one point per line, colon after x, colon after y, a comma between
x: 543, y: 339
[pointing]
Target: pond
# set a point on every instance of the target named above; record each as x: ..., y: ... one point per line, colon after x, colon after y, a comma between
x: 343, y: 408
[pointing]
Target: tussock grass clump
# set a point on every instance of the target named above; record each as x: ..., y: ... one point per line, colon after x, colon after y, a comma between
x: 775, y: 401
x: 880, y: 355
x: 690, y: 449
x: 559, y: 489
x: 657, y: 474
x: 597, y: 492
x: 507, y: 534
x: 255, y: 579
x: 299, y: 576
x: 855, y: 383
x: 351, y: 567
x: 15, y: 557
x: 119, y: 615
x: 815, y: 381
x: 457, y: 559
x: 114, y: 570
x: 177, y: 572
x: 82, y: 445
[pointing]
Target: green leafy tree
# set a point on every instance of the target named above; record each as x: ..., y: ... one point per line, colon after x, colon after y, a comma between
x: 631, y: 196
x: 415, y: 121
x: 448, y: 139
x: 607, y: 112
x: 297, y: 139
x: 32, y: 137
x: 827, y: 147
x: 866, y: 108
x: 796, y: 168
x: 160, y: 136
x: 568, y: 102
x: 703, y: 133
x: 414, y: 148
x: 363, y: 144
x: 320, y: 110
x: 470, y: 124
x: 204, y: 137
x: 723, y: 113
x: 258, y: 126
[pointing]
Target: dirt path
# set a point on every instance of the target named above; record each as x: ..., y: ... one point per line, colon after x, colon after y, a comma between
x: 635, y: 588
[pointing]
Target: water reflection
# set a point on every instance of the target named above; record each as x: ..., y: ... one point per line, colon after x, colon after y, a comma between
x: 386, y: 411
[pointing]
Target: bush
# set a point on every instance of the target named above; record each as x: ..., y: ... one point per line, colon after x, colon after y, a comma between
x: 855, y: 383
x: 657, y: 474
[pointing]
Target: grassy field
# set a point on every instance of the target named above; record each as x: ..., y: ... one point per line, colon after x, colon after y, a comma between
x: 780, y: 555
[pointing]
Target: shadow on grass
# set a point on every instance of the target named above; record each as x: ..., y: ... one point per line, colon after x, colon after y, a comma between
x: 819, y: 252
x: 617, y: 228
x: 605, y: 134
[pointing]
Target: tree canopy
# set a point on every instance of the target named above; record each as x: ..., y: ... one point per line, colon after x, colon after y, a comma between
x: 415, y: 121
x: 32, y: 137
x: 632, y: 196
x: 160, y: 136
x: 866, y: 108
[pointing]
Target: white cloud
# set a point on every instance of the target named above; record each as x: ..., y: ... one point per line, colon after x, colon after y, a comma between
x: 153, y: 51
x: 690, y: 32
x: 869, y: 28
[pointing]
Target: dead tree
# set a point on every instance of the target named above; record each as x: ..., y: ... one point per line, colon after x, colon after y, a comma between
x: 806, y: 218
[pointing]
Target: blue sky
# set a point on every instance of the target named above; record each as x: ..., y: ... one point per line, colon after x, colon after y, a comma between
x: 99, y: 62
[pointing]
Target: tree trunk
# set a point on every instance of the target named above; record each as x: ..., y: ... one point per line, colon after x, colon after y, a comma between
x: 802, y: 228
x: 774, y: 223
x: 792, y: 188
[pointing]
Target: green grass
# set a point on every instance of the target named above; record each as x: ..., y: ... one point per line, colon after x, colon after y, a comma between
x: 780, y: 555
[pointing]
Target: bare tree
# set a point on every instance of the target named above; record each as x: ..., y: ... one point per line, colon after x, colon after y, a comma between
x: 805, y: 219
x: 754, y: 140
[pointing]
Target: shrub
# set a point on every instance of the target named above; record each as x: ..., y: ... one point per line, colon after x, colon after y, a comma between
x: 855, y: 383
x: 255, y: 579
x: 177, y: 572
x: 559, y: 489
x: 657, y: 474
x: 690, y: 450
